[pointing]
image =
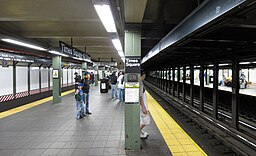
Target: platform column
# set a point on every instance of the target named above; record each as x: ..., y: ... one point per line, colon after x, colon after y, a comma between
x: 235, y: 94
x: 201, y: 104
x: 56, y: 89
x: 215, y: 90
x: 184, y: 83
x: 96, y: 75
x: 173, y: 81
x: 84, y: 68
x: 191, y: 85
x: 132, y: 109
x: 178, y: 81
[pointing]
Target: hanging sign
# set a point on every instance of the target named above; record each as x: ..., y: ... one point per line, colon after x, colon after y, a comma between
x: 132, y: 64
x: 71, y: 51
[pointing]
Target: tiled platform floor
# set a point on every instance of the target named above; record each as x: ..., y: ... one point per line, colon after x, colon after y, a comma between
x: 51, y: 129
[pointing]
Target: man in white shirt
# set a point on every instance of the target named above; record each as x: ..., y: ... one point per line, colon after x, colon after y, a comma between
x: 120, y: 85
x: 144, y: 113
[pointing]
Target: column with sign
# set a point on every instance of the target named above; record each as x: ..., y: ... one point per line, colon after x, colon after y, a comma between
x: 56, y: 75
x: 132, y: 78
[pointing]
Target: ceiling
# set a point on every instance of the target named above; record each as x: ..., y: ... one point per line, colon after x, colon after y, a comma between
x: 51, y: 21
x: 48, y: 22
x: 228, y: 37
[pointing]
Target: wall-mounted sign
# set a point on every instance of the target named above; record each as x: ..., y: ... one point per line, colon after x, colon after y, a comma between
x: 71, y: 51
x: 55, y: 73
x: 132, y: 64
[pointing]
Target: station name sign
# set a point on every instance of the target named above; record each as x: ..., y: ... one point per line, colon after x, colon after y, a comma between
x: 132, y: 64
x: 71, y: 51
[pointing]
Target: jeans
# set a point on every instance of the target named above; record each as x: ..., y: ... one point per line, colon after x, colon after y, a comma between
x: 86, y: 101
x: 113, y: 90
x: 121, y: 94
x: 79, y: 106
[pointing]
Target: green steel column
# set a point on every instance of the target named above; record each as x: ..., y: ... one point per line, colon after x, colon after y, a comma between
x: 29, y: 65
x: 56, y: 89
x: 132, y: 113
x: 14, y: 78
x: 84, y: 68
x: 96, y: 75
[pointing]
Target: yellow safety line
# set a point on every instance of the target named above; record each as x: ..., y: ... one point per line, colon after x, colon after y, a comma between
x: 30, y: 105
x: 178, y: 141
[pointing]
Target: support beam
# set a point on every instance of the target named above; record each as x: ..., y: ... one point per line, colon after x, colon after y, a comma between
x: 201, y: 103
x: 173, y: 81
x: 14, y: 78
x: 132, y: 113
x: 191, y: 85
x: 29, y: 65
x: 40, y: 78
x: 235, y: 94
x: 184, y: 83
x: 178, y: 81
x: 49, y: 78
x: 96, y: 78
x: 169, y: 80
x: 215, y: 90
x: 56, y: 89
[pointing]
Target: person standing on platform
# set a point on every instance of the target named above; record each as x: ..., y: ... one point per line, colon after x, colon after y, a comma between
x: 144, y: 113
x: 79, y: 96
x: 120, y: 85
x: 92, y: 77
x: 113, y: 80
x: 86, y: 88
x: 77, y: 79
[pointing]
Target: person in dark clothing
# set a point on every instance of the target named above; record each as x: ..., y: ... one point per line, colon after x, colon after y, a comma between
x: 113, y: 80
x: 86, y: 88
x: 92, y: 77
x: 77, y: 79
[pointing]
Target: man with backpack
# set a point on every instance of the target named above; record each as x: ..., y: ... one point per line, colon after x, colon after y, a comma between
x: 113, y: 80
x: 120, y: 81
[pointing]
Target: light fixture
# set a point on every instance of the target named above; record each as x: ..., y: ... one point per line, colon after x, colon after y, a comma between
x: 57, y: 53
x: 23, y: 44
x: 225, y: 64
x: 106, y: 17
x: 117, y: 44
x: 244, y: 62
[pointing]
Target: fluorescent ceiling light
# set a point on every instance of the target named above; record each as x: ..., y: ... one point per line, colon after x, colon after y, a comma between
x: 57, y: 53
x: 106, y: 17
x: 117, y: 44
x: 245, y: 63
x: 223, y: 64
x: 23, y: 44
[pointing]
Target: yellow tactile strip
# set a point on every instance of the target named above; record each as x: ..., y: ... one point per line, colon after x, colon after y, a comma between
x: 30, y: 105
x: 178, y: 141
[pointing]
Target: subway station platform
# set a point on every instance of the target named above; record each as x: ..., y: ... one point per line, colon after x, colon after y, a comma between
x: 43, y: 128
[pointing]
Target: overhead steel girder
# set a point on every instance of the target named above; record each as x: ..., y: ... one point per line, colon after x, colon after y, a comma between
x: 207, y: 12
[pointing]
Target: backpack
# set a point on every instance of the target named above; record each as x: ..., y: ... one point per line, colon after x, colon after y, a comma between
x: 78, y: 97
x: 113, y: 79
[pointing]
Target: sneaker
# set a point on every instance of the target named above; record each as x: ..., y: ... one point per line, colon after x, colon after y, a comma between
x: 143, y: 136
x: 145, y: 133
x: 88, y: 113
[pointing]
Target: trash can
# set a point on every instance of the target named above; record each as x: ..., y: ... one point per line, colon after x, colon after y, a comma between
x: 104, y: 85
